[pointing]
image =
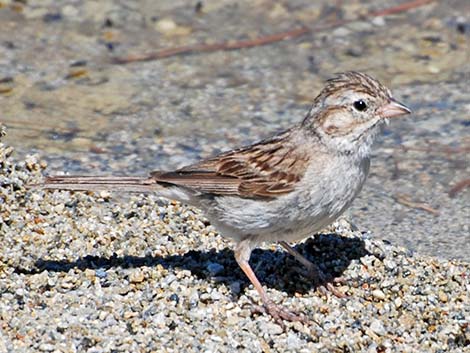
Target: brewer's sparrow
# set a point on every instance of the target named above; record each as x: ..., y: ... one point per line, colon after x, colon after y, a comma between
x: 284, y: 188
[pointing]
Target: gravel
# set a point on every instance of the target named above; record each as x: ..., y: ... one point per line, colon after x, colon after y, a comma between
x: 84, y: 272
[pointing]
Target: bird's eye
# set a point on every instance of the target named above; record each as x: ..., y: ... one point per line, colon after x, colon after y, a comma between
x: 360, y: 105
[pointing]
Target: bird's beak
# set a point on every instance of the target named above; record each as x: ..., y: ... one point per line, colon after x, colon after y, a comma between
x: 393, y: 109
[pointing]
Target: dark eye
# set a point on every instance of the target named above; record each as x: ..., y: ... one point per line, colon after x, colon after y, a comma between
x: 360, y: 105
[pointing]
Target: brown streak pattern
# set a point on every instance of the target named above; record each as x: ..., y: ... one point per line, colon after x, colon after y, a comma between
x: 245, y: 172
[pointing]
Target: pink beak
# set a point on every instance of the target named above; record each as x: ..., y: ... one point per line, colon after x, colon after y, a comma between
x: 393, y: 109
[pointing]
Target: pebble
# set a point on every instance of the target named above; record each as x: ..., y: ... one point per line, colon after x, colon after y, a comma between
x: 136, y: 276
x: 101, y: 273
x: 59, y: 208
x: 378, y: 21
x: 377, y: 327
x: 165, y: 25
x: 235, y: 287
x: 214, y: 268
x: 69, y: 11
x: 294, y: 342
x: 443, y: 297
x: 46, y: 347
x: 341, y: 32
x: 104, y: 194
x: 271, y: 329
x: 378, y: 294
x: 169, y: 27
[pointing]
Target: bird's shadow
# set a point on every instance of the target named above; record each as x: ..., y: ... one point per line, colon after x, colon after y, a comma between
x: 275, y: 268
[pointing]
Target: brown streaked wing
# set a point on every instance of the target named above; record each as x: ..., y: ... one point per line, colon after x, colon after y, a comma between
x: 268, y: 169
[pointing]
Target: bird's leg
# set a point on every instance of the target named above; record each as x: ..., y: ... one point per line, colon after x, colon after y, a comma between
x: 278, y: 312
x: 313, y: 272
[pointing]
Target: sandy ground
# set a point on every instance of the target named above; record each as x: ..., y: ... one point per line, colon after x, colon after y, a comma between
x: 102, y: 273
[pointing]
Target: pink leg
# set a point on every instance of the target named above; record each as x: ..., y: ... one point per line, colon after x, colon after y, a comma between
x: 279, y: 313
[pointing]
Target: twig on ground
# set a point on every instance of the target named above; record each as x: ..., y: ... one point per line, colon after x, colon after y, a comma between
x: 201, y: 48
x: 459, y: 187
x: 400, y: 8
x: 405, y: 200
x: 263, y: 40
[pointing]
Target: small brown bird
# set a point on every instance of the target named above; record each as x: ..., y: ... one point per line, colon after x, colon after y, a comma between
x: 284, y: 188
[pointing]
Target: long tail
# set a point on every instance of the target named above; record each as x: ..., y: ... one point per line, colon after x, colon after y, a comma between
x: 98, y: 183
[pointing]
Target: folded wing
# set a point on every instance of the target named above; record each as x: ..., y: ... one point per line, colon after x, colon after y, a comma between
x: 268, y: 169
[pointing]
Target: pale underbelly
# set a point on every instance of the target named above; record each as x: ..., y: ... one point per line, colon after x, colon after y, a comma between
x: 267, y: 223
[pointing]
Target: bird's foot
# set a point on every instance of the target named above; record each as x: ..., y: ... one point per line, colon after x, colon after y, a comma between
x: 322, y: 282
x: 280, y: 314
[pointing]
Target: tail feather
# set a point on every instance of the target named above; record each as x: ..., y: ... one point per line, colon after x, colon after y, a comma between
x: 98, y: 183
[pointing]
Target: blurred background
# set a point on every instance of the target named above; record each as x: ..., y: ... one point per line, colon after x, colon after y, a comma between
x: 130, y: 86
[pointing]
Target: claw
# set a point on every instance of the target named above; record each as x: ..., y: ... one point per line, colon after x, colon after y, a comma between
x: 315, y: 274
x: 324, y: 284
x: 280, y: 314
